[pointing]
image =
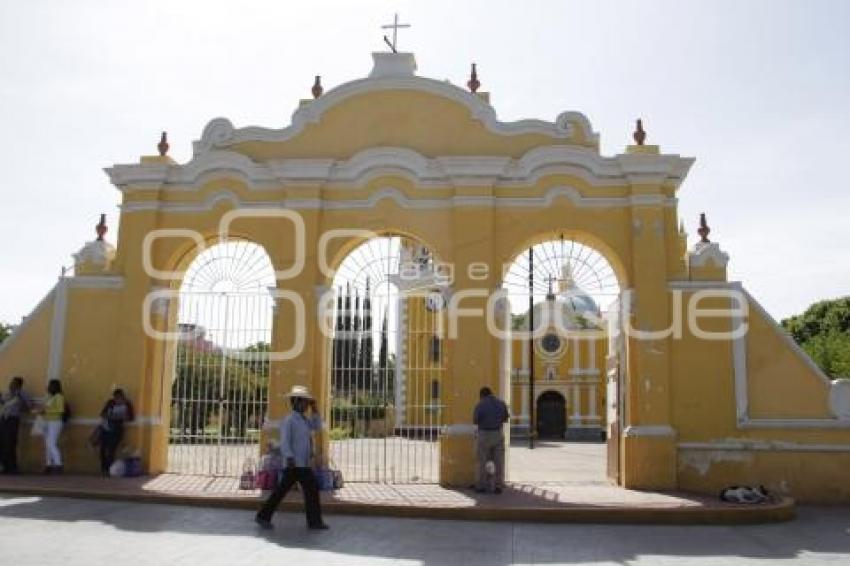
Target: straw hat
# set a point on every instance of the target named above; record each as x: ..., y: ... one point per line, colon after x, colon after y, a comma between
x: 299, y: 391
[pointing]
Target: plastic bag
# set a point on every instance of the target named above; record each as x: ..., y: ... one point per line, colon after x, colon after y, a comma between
x: 325, y: 479
x: 39, y: 426
x: 118, y: 468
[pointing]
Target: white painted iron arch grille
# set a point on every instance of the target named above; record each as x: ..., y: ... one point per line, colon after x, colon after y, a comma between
x: 220, y: 379
x: 388, y: 364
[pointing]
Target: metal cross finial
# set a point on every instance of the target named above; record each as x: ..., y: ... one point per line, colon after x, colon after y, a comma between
x: 395, y: 27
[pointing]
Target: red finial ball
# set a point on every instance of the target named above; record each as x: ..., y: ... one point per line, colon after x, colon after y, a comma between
x: 473, y: 83
x: 317, y: 89
x: 639, y: 134
x: 703, y: 230
x: 101, y: 227
x: 163, y: 146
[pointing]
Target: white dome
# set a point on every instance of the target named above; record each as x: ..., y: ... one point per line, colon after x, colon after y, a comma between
x: 565, y: 310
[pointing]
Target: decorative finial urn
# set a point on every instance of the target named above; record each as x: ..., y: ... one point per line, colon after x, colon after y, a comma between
x: 639, y: 133
x: 703, y: 230
x: 317, y: 89
x: 473, y: 82
x: 96, y: 256
x: 101, y: 228
x: 163, y: 146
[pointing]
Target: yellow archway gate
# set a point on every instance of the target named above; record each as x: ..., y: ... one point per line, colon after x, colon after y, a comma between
x: 398, y: 153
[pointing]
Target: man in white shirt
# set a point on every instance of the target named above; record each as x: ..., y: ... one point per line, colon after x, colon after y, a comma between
x: 296, y: 446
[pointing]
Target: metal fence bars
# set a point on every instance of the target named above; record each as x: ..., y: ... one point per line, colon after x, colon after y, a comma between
x: 388, y: 364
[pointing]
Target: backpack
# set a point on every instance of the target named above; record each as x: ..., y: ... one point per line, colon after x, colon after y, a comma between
x: 66, y: 415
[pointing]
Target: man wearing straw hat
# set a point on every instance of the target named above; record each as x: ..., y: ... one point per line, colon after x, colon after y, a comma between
x: 296, y: 446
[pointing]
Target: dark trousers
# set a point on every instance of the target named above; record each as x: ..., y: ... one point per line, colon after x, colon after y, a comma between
x: 9, y: 444
x: 109, y: 441
x: 307, y: 480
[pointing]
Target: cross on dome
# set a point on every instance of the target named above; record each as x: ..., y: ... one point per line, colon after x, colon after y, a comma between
x: 395, y: 26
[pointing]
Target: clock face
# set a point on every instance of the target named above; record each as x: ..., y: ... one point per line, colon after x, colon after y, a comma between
x: 435, y: 301
x: 551, y: 343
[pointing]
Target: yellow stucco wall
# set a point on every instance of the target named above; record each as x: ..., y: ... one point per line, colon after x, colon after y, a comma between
x: 26, y: 352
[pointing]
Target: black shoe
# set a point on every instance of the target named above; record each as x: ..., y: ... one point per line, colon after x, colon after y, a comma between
x: 318, y: 527
x: 480, y: 490
x: 264, y: 523
x: 497, y: 491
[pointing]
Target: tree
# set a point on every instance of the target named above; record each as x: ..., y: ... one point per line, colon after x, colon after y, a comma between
x: 5, y: 331
x: 823, y: 331
x: 227, y: 387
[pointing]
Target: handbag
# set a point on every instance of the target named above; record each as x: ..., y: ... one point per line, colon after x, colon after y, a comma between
x: 95, y: 438
x: 39, y: 427
x: 132, y: 467
x: 266, y: 479
x: 325, y: 479
x: 248, y: 479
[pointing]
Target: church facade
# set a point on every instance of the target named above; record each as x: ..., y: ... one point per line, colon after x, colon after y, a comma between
x: 693, y: 385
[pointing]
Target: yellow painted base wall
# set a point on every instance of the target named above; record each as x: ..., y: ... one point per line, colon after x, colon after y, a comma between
x: 808, y: 477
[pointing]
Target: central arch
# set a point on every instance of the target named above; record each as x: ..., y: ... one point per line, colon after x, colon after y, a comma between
x: 388, y: 362
x: 556, y: 377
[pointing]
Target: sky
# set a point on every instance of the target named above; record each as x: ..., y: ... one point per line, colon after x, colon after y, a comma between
x: 757, y: 91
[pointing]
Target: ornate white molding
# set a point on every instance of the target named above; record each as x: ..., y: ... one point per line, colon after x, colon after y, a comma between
x: 366, y: 165
x: 704, y: 252
x: 57, y: 329
x: 839, y: 399
x: 95, y: 282
x: 220, y: 133
x: 398, y: 196
x: 749, y: 445
x: 459, y: 430
x: 654, y: 431
x: 741, y: 376
x: 97, y: 253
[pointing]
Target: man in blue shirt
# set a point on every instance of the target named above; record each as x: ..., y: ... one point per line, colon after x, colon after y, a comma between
x: 489, y: 416
x: 296, y: 446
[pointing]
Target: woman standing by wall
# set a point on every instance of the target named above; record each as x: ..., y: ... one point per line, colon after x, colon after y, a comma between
x: 54, y: 414
x: 115, y: 414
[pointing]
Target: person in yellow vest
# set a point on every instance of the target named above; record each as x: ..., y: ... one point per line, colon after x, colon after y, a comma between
x: 53, y: 411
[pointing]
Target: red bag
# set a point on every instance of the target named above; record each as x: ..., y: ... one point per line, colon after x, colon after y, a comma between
x: 266, y: 480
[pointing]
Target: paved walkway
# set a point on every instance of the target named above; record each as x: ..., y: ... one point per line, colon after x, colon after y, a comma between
x: 566, y: 502
x: 46, y: 531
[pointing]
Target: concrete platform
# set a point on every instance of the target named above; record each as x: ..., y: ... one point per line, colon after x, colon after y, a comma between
x: 572, y: 502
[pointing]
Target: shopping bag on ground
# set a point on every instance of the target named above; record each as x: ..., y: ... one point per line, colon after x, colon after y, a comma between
x: 132, y: 467
x: 248, y: 479
x: 266, y: 479
x: 325, y: 479
x: 38, y: 426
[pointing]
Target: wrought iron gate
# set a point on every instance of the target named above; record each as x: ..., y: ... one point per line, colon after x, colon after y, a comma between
x: 388, y: 364
x: 219, y: 391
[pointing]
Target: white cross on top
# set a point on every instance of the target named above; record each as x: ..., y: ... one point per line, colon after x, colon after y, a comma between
x: 395, y: 27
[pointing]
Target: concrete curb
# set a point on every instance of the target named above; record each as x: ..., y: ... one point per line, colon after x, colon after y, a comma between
x: 778, y: 511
